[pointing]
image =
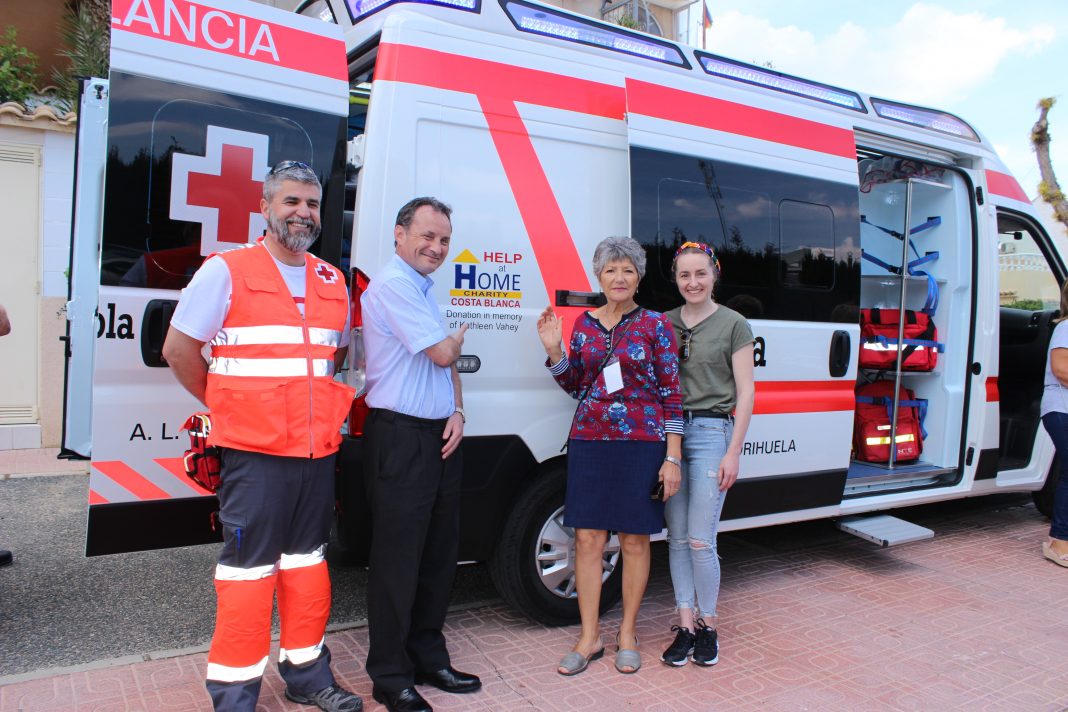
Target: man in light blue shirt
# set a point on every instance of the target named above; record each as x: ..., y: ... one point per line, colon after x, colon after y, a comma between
x: 413, y: 466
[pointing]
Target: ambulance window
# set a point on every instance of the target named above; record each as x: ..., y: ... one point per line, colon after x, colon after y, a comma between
x: 1026, y: 279
x: 806, y: 244
x: 737, y: 208
x: 318, y: 9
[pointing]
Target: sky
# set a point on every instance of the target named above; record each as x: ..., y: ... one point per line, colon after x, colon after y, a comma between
x: 987, y: 61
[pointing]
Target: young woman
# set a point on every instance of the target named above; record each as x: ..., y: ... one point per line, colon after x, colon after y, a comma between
x: 624, y: 370
x: 1054, y: 409
x: 716, y: 372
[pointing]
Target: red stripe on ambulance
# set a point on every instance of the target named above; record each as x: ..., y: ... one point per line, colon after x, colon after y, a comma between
x: 453, y: 72
x: 215, y: 30
x: 96, y: 498
x: 130, y: 480
x: 660, y: 102
x: 803, y: 397
x: 175, y: 466
x: 992, y: 393
x: 1003, y: 184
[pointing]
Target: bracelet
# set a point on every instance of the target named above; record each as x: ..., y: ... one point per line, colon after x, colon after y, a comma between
x: 673, y: 460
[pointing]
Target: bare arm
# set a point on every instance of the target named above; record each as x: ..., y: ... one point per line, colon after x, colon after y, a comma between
x: 742, y: 365
x: 1058, y: 363
x: 454, y: 429
x: 446, y: 351
x: 5, y: 323
x: 183, y: 354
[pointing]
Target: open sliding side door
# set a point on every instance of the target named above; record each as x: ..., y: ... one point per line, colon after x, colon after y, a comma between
x: 775, y: 195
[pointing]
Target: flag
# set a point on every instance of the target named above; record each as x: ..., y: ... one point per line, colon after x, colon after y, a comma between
x: 706, y: 16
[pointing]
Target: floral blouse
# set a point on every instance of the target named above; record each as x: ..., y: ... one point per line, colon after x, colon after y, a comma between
x: 650, y: 403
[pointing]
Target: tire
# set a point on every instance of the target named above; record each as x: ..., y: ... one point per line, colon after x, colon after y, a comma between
x: 1043, y: 498
x: 533, y: 564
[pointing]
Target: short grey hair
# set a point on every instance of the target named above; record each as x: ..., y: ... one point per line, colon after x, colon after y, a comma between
x: 289, y: 170
x: 611, y: 249
x: 407, y: 213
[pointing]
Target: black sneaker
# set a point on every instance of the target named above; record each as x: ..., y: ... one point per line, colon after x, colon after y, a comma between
x: 678, y: 651
x: 331, y: 699
x: 706, y: 646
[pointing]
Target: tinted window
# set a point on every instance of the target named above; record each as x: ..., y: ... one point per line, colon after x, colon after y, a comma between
x: 787, y: 243
x: 150, y: 122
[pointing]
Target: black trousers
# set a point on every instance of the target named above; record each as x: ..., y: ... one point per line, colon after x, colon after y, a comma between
x: 415, y: 513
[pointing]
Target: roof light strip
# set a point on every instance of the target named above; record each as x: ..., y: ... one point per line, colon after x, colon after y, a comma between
x: 924, y: 118
x: 770, y: 79
x: 359, y: 9
x: 541, y: 20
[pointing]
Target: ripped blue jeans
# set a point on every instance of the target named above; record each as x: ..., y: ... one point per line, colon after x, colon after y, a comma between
x: 693, y: 516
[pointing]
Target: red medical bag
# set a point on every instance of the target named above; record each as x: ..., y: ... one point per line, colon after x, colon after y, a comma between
x: 201, y: 461
x: 878, y: 340
x: 871, y: 427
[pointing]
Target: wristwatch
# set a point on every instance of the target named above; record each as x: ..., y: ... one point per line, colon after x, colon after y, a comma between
x: 463, y: 416
x: 673, y: 460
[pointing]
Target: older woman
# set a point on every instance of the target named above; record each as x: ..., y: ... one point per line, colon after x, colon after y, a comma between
x: 626, y: 437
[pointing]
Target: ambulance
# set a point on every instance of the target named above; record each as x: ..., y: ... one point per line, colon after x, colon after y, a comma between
x: 871, y: 244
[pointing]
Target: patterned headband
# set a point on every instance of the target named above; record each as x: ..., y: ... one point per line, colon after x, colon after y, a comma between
x: 697, y: 246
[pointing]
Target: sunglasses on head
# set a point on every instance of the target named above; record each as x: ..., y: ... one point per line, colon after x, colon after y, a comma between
x: 684, y: 344
x: 286, y: 165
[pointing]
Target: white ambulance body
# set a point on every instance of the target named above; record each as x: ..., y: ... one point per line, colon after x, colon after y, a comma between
x: 547, y: 131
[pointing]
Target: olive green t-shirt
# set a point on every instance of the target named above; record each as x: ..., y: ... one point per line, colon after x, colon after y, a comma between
x: 707, y: 377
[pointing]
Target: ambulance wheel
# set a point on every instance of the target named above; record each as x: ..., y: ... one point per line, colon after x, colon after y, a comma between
x: 533, y: 567
x: 1044, y: 497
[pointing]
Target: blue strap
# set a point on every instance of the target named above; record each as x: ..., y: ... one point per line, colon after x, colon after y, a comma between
x: 930, y: 305
x: 931, y: 222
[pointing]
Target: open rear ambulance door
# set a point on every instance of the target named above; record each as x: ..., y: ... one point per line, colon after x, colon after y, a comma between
x: 772, y: 187
x: 199, y: 104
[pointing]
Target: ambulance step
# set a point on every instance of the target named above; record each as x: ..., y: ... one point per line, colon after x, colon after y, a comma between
x: 884, y: 530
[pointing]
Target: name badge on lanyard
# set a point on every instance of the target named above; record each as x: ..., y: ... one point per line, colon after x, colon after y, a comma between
x: 613, y: 376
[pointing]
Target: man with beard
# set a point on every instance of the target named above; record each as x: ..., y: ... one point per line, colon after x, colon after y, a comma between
x: 413, y: 466
x: 277, y: 320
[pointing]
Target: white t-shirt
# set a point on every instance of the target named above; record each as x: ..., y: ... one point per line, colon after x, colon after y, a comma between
x: 1055, y: 395
x: 206, y: 300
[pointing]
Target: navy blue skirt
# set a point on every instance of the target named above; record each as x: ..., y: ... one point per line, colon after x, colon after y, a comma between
x: 608, y: 484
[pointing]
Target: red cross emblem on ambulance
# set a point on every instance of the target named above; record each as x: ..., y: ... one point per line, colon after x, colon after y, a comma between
x: 222, y: 189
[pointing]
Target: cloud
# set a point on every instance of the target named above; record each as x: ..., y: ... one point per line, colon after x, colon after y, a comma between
x: 930, y: 56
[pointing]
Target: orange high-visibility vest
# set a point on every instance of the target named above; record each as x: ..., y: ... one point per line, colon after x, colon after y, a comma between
x: 270, y: 382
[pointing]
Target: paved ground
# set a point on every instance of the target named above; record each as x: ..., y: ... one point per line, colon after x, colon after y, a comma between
x: 811, y: 620
x: 59, y: 608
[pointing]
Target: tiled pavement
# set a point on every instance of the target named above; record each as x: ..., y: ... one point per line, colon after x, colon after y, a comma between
x: 42, y: 461
x: 972, y: 620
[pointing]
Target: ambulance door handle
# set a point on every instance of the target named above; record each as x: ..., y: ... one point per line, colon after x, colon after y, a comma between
x: 158, y: 313
x: 838, y: 363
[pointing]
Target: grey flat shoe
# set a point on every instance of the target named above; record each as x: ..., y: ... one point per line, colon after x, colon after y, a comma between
x: 575, y: 662
x: 628, y: 660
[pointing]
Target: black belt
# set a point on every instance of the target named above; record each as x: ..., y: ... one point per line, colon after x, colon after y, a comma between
x: 393, y: 416
x: 691, y: 414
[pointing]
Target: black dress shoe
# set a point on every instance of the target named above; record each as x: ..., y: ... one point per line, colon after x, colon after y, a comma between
x: 449, y: 680
x: 406, y: 700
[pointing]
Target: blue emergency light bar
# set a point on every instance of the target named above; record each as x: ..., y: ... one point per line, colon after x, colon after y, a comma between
x: 541, y: 20
x: 924, y: 118
x: 359, y: 9
x: 770, y: 79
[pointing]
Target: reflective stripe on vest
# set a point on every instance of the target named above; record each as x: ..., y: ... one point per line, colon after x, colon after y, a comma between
x: 267, y: 367
x: 260, y: 335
